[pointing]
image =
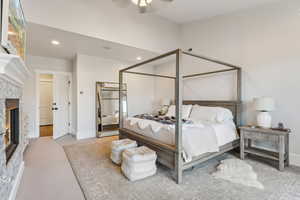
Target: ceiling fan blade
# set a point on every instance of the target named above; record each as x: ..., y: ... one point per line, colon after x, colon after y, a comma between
x: 122, y: 3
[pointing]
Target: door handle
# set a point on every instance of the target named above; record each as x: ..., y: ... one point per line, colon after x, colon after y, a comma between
x: 54, y: 108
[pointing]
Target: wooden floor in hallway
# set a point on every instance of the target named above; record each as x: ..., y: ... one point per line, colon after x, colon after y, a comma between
x: 46, y: 131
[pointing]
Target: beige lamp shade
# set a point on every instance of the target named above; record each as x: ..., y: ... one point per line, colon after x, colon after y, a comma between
x: 264, y: 104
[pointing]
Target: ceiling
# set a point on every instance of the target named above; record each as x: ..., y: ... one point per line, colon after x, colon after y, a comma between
x: 182, y: 11
x: 39, y: 39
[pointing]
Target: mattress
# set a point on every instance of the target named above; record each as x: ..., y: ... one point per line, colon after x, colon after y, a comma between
x: 198, y: 138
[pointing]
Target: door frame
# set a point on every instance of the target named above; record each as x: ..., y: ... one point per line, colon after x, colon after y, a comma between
x: 37, y: 92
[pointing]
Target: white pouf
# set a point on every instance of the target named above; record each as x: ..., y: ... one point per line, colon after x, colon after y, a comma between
x: 118, y: 146
x: 138, y: 163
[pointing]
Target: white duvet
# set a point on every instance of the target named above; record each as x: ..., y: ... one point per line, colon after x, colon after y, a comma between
x: 110, y: 119
x: 197, y: 138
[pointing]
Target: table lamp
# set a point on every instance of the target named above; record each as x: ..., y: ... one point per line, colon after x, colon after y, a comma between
x: 264, y: 105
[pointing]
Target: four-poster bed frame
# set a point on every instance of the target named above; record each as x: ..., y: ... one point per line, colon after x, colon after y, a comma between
x: 171, y: 155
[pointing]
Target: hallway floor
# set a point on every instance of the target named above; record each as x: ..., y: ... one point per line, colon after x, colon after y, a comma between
x: 48, y: 174
x: 46, y: 131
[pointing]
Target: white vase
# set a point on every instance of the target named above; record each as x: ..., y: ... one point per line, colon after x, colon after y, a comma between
x: 264, y: 119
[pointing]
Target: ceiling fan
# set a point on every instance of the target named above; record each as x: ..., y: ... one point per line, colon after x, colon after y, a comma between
x: 143, y: 5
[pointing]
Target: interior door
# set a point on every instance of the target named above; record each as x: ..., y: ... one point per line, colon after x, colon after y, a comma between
x: 61, y: 106
x: 46, y: 99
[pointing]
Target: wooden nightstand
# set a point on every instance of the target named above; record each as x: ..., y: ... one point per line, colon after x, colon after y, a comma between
x: 249, y: 134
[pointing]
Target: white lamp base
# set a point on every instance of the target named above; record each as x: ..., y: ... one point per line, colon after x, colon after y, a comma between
x: 264, y: 120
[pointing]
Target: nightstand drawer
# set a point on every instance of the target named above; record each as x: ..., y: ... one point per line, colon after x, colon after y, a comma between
x: 258, y: 136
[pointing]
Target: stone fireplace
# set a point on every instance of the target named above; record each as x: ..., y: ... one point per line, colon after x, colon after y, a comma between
x: 13, y: 73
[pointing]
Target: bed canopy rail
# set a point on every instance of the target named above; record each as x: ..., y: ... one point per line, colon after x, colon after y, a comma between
x: 179, y: 165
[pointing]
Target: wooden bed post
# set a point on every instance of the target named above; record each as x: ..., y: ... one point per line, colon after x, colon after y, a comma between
x: 120, y: 99
x: 239, y: 97
x: 178, y: 133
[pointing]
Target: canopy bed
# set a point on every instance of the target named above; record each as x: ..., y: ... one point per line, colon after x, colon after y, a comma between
x: 172, y: 153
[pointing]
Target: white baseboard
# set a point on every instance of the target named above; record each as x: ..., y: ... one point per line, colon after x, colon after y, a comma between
x: 86, y: 135
x: 16, y: 183
x: 295, y: 159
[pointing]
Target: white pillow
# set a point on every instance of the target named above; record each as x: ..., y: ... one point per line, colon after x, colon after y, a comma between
x: 186, y: 110
x: 224, y: 114
x: 211, y: 114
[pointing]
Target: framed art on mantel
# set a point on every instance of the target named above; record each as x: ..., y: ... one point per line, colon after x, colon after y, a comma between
x: 13, y: 32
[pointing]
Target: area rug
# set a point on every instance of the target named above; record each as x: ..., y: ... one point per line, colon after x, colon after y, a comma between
x: 238, y: 171
x: 100, y: 179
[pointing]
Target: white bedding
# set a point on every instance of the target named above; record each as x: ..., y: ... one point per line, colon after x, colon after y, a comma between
x: 110, y: 119
x: 198, y: 138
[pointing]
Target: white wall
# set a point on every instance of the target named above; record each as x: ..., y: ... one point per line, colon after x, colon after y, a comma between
x: 209, y: 87
x: 92, y: 69
x: 30, y: 94
x: 104, y: 20
x: 265, y: 42
x: 47, y: 63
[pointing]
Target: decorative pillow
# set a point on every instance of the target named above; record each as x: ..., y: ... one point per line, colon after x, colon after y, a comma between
x: 163, y: 110
x: 211, y: 114
x: 186, y: 110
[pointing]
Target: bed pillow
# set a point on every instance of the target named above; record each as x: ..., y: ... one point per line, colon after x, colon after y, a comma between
x: 186, y: 110
x: 223, y: 114
x: 203, y: 113
x: 211, y: 114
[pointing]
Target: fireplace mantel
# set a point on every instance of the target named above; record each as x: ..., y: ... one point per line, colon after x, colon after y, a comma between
x: 13, y: 69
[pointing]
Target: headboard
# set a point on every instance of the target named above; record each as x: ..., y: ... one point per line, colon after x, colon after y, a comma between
x: 234, y: 106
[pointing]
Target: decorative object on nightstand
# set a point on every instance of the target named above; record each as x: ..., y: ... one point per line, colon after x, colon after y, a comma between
x: 264, y: 105
x: 249, y: 134
x: 165, y: 103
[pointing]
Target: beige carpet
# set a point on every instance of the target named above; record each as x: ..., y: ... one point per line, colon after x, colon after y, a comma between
x: 48, y: 174
x: 100, y: 179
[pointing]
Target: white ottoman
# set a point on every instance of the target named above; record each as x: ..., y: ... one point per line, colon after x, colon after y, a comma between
x: 118, y: 146
x: 138, y: 163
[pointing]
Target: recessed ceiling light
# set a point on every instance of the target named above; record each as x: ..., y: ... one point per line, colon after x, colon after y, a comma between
x: 55, y: 42
x: 139, y: 58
